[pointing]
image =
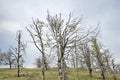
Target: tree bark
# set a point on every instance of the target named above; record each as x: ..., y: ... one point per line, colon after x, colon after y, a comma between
x: 18, y: 59
x: 103, y: 76
x: 10, y: 65
x: 43, y: 66
x: 64, y: 69
x: 90, y: 72
x: 59, y: 70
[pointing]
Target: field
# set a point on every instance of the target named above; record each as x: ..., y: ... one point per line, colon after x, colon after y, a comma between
x: 51, y: 74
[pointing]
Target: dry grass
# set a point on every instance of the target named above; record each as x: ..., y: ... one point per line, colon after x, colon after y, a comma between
x: 51, y: 74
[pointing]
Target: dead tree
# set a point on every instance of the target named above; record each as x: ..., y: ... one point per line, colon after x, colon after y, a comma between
x: 19, y: 50
x: 1, y: 57
x: 38, y: 62
x: 97, y: 50
x: 76, y: 59
x: 87, y: 57
x: 37, y: 36
x: 64, y: 36
x: 108, y: 60
x: 9, y: 58
x: 113, y: 65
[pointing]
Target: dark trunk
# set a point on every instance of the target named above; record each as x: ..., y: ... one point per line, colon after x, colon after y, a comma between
x: 103, y: 76
x: 90, y: 72
x: 18, y: 59
x: 59, y: 70
x: 10, y: 65
x: 43, y: 74
x: 18, y: 66
x: 64, y: 69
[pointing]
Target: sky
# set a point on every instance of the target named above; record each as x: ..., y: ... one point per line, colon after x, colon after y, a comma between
x: 17, y: 15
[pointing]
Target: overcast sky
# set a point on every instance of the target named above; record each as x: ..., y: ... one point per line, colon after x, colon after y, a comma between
x: 17, y: 14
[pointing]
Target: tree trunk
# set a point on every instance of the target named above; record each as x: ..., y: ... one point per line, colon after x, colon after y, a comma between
x: 90, y: 72
x: 64, y: 69
x: 43, y: 74
x: 103, y: 76
x: 10, y: 65
x: 43, y: 66
x: 18, y: 66
x: 59, y: 70
x: 18, y: 58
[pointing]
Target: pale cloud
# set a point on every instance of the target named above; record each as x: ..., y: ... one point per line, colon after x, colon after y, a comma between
x: 9, y: 26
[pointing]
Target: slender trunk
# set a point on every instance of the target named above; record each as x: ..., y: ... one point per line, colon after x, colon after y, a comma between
x: 64, y: 69
x: 43, y: 66
x: 103, y: 75
x: 10, y: 65
x: 59, y: 70
x: 18, y: 59
x: 46, y: 65
x: 90, y: 72
x: 43, y: 74
x: 18, y: 69
x: 18, y: 66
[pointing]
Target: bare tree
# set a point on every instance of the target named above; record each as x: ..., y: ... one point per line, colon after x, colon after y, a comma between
x: 64, y: 36
x: 99, y: 55
x: 38, y: 62
x: 72, y: 60
x: 87, y: 57
x: 37, y: 36
x: 9, y: 58
x: 113, y: 65
x: 76, y: 59
x: 1, y: 57
x: 19, y: 51
x: 108, y: 60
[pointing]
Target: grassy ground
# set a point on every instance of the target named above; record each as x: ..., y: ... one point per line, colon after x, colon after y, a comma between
x: 51, y: 74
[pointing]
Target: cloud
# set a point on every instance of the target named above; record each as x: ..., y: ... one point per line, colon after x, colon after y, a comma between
x: 9, y: 26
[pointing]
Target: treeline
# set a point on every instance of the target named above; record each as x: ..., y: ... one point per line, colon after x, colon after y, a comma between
x: 70, y: 43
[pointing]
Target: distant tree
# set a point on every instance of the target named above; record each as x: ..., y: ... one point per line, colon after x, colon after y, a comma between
x: 86, y: 52
x: 100, y: 58
x: 108, y: 60
x: 1, y: 57
x: 72, y: 60
x: 38, y: 62
x: 113, y: 65
x: 9, y: 58
x: 117, y: 68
